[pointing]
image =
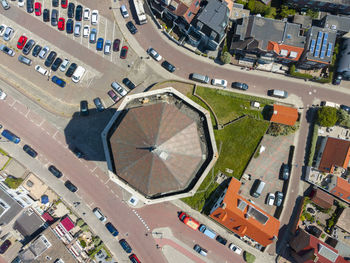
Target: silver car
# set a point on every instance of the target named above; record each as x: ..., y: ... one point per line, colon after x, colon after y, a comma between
x: 7, y: 50
x: 43, y: 53
x: 122, y: 92
x: 5, y: 4
x: 8, y: 33
x: 93, y: 36
x: 77, y: 29
x: 64, y: 65
x: 107, y: 48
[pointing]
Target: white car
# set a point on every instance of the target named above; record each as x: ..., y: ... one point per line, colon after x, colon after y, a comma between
x: 20, y: 3
x: 94, y: 17
x: 43, y: 53
x: 2, y: 95
x: 8, y: 33
x: 2, y: 30
x: 99, y: 214
x: 64, y: 65
x: 5, y: 4
x: 235, y: 249
x: 86, y: 15
x: 86, y: 31
x: 154, y: 54
x: 7, y: 50
x: 270, y: 199
x: 219, y: 82
x: 41, y: 70
x: 124, y: 11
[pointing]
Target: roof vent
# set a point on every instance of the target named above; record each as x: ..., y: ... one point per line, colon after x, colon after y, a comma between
x: 293, y: 54
x: 284, y: 52
x: 334, y: 27
x: 173, y: 5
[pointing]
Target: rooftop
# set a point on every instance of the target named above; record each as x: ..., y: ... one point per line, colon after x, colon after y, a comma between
x: 340, y: 188
x: 284, y: 115
x: 28, y: 223
x: 9, y: 208
x: 321, y: 198
x: 35, y: 186
x: 339, y: 23
x: 344, y: 220
x: 244, y: 218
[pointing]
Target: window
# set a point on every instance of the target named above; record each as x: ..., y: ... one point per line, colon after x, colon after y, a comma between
x: 197, y: 3
x: 189, y: 14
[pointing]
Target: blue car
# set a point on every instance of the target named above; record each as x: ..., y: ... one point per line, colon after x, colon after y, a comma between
x: 99, y: 45
x: 58, y: 81
x: 11, y: 136
x: 125, y: 245
x: 112, y: 229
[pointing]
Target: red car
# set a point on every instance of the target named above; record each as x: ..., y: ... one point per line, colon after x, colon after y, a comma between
x: 124, y: 52
x: 61, y: 24
x: 113, y: 96
x: 21, y: 42
x: 134, y: 259
x: 64, y: 3
x: 37, y: 8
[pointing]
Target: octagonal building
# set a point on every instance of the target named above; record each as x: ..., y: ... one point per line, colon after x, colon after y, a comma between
x: 159, y: 145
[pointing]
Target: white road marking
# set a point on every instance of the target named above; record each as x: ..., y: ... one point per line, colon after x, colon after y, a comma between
x: 112, y: 41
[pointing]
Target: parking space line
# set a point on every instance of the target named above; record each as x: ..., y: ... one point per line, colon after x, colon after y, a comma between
x: 112, y: 40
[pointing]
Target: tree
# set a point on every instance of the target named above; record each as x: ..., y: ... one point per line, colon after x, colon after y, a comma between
x: 285, y: 11
x: 270, y: 12
x: 259, y: 8
x: 311, y: 13
x: 251, y: 5
x: 84, y: 228
x: 327, y: 116
x: 80, y: 222
x: 13, y: 182
x: 97, y: 241
x: 225, y: 57
x: 343, y: 118
x: 250, y: 258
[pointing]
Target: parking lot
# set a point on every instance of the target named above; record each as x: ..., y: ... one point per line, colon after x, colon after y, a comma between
x: 266, y: 167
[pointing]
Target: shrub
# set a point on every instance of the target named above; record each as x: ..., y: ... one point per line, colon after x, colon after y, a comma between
x: 250, y: 258
x: 83, y: 243
x: 97, y: 241
x: 313, y: 144
x: 84, y: 228
x: 13, y: 182
x: 343, y: 118
x: 327, y: 116
x: 80, y: 222
x: 225, y: 57
x: 323, y: 235
x: 277, y: 129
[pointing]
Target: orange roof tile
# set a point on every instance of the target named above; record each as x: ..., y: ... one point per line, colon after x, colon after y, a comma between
x: 342, y: 189
x: 284, y: 115
x: 238, y: 220
x: 229, y: 4
x: 273, y: 46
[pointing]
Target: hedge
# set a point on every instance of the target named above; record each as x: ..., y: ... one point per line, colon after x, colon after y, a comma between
x: 313, y: 144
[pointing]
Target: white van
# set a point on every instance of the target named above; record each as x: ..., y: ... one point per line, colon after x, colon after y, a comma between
x: 330, y: 104
x: 41, y: 70
x: 78, y: 74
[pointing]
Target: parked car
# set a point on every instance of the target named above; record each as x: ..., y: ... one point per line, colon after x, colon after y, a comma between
x: 10, y: 136
x: 41, y: 70
x: 71, y: 187
x: 99, y: 45
x: 50, y: 59
x: 77, y: 29
x: 86, y: 31
x: 116, y: 44
x: 24, y: 60
x: 98, y: 104
x: 270, y: 199
x: 57, y: 173
x: 94, y: 17
x: 54, y: 17
x: 44, y: 52
x: 5, y: 4
x: 113, y: 96
x: 93, y: 36
x: 219, y: 82
x: 28, y: 47
x: 221, y: 240
x: 108, y: 47
x: 122, y: 92
x: 4, y: 246
x: 239, y: 85
x: 46, y: 15
x: 30, y: 151
x: 8, y: 33
x: 69, y: 26
x: 55, y: 3
x: 154, y: 54
x: 30, y: 6
x: 337, y: 79
x: 346, y: 108
x: 64, y: 3
x: 78, y: 13
x: 124, y: 11
x: 71, y: 8
x: 60, y: 82
x: 279, y: 198
x: 56, y: 64
x: 2, y: 96
x: 285, y: 171
x: 125, y: 245
x: 64, y: 65
x: 21, y: 41
x: 61, y: 23
x: 97, y: 212
x: 84, y: 108
x: 37, y: 8
x: 127, y: 82
x: 124, y: 52
x: 200, y: 250
x: 36, y: 50
x: 2, y: 29
x: 169, y: 67
x: 20, y: 3
x: 78, y: 153
x: 7, y: 50
x: 132, y: 28
x: 86, y: 15
x: 235, y: 249
x: 112, y: 229
x: 134, y: 259
x: 71, y: 70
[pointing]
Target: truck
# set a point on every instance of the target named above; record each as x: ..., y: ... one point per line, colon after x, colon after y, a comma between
x: 207, y: 231
x: 330, y: 104
x: 189, y: 221
x: 140, y: 11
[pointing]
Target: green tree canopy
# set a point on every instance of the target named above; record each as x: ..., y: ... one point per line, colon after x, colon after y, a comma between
x: 285, y: 11
x: 343, y: 118
x: 225, y: 57
x: 327, y: 116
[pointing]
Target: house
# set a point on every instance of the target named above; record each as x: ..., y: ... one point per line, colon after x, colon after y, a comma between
x: 319, y: 48
x: 341, y: 24
x: 267, y: 38
x: 306, y: 248
x: 284, y: 115
x: 333, y: 6
x: 343, y: 68
x: 333, y: 153
x: 344, y: 220
x: 339, y: 187
x: 238, y: 12
x: 245, y: 219
x: 321, y: 198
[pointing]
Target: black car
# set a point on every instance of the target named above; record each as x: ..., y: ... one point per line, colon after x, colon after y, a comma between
x: 46, y: 15
x: 30, y: 6
x: 54, y: 17
x: 55, y: 171
x: 71, y: 7
x: 337, y: 79
x: 169, y: 67
x: 125, y: 245
x: 71, y: 187
x: 84, y: 108
x: 36, y: 50
x: 30, y: 151
x: 55, y: 3
x: 221, y: 240
x: 98, y: 104
x: 28, y: 47
x: 116, y: 44
x: 112, y: 229
x: 78, y: 153
x: 346, y: 108
x: 127, y: 82
x: 56, y: 64
x: 4, y: 246
x: 239, y: 85
x: 50, y: 59
x: 71, y: 69
x: 69, y: 26
x: 78, y: 13
x: 285, y: 171
x: 132, y: 28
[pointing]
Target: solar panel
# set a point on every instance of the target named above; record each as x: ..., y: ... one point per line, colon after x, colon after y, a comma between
x: 324, y: 45
x: 317, y: 51
x: 322, y: 54
x: 312, y: 45
x: 318, y: 43
x: 329, y: 50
